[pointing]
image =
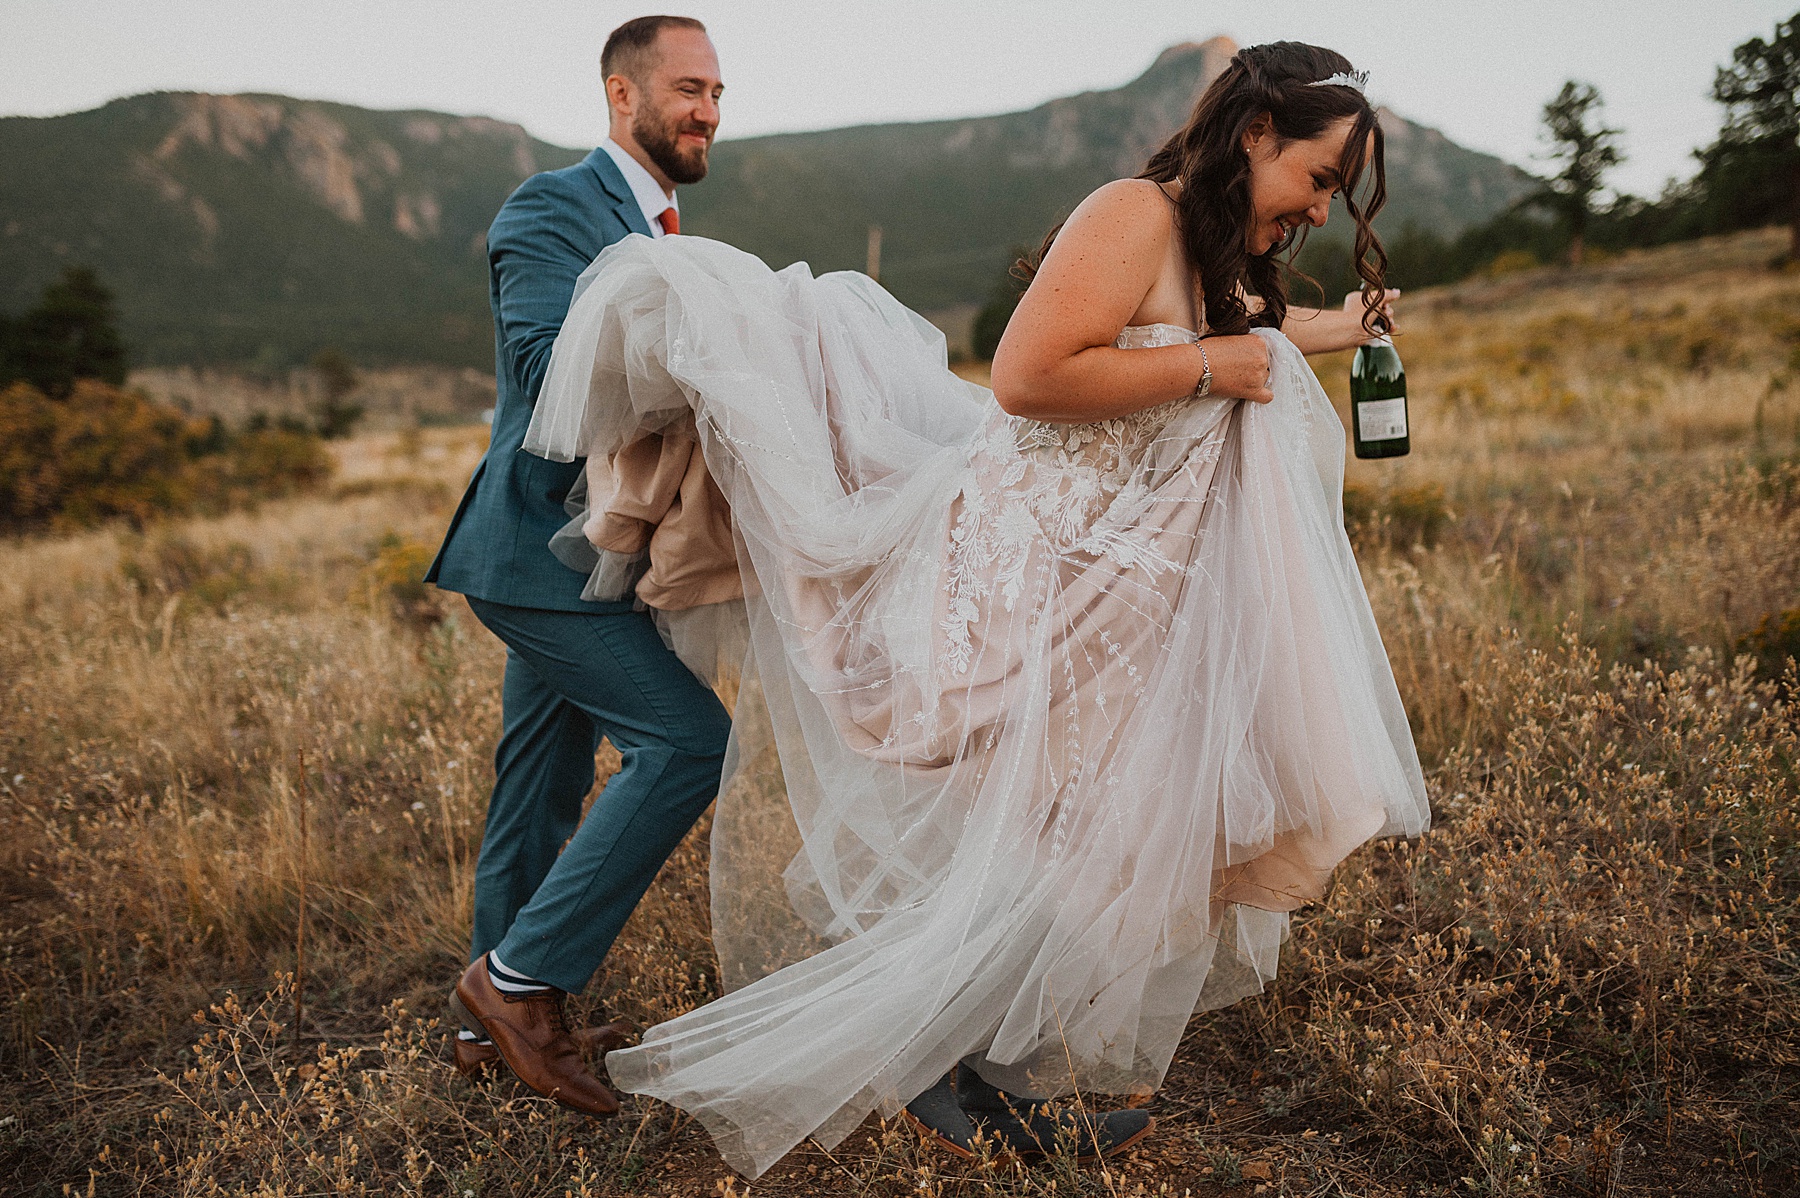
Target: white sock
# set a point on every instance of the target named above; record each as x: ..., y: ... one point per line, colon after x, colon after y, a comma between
x: 508, y: 981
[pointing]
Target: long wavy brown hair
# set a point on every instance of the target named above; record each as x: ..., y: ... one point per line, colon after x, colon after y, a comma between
x: 1207, y: 157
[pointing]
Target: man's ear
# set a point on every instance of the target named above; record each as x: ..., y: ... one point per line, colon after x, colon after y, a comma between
x: 621, y: 94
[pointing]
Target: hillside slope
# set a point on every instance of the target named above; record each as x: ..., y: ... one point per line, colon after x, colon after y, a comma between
x: 253, y: 229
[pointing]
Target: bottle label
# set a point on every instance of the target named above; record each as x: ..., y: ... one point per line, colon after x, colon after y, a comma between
x: 1381, y: 419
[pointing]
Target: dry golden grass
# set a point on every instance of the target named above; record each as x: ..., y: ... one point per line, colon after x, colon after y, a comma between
x: 1582, y: 981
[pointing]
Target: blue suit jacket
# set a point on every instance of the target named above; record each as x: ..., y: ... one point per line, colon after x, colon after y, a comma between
x: 546, y: 234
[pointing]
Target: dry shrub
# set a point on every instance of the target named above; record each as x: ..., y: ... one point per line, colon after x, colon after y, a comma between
x: 166, y: 564
x: 431, y: 492
x: 395, y: 578
x: 1775, y: 642
x: 264, y: 463
x: 1733, y: 567
x: 252, y: 1115
x: 1510, y: 262
x: 170, y: 810
x: 99, y: 454
x: 1596, y: 933
x: 1397, y: 518
x: 104, y: 453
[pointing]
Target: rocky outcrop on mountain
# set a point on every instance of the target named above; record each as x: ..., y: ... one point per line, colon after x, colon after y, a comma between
x: 323, y: 156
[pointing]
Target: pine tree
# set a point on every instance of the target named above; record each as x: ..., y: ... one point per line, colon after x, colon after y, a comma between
x: 1587, y: 149
x: 71, y: 334
x: 336, y: 415
x: 991, y: 321
x: 1759, y: 146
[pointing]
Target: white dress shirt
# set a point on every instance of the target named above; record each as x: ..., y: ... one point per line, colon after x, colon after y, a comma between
x: 645, y: 189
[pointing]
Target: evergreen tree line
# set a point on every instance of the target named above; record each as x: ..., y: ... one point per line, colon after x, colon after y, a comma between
x: 73, y: 334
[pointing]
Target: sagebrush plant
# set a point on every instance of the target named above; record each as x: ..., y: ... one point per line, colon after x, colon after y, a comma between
x: 1584, y: 980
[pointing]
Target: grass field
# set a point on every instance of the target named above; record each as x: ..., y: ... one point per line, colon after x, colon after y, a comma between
x: 1584, y: 980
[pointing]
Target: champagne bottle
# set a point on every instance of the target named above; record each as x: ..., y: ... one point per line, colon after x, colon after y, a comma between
x: 1378, y: 425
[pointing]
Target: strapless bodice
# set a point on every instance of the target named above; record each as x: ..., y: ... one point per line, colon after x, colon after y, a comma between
x: 1068, y: 475
x: 1109, y: 444
x: 1153, y: 336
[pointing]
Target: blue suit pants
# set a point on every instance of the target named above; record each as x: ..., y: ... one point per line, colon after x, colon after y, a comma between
x: 552, y: 890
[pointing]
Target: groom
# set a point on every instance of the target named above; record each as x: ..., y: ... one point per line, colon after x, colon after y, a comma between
x: 552, y: 889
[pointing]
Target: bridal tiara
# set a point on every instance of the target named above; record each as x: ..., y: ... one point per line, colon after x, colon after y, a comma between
x: 1355, y: 79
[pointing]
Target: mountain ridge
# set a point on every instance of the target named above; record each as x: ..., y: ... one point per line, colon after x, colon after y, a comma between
x: 956, y: 198
x: 252, y: 229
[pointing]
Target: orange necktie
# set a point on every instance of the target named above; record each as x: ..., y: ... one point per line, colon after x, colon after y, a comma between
x: 670, y: 220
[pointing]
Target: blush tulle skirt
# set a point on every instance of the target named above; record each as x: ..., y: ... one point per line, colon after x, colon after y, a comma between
x: 1041, y: 730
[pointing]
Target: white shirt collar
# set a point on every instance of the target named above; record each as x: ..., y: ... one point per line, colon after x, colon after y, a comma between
x: 644, y: 188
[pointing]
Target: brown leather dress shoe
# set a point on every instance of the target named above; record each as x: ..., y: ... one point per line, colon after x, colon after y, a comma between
x: 602, y: 1039
x: 473, y: 1058
x: 531, y: 1037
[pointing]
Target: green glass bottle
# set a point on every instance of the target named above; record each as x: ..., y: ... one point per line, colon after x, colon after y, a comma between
x: 1378, y: 425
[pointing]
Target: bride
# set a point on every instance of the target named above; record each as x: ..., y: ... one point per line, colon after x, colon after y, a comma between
x: 1055, y: 701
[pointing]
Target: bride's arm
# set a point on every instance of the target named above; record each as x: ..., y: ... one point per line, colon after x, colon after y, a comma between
x: 1320, y: 331
x: 1057, y: 361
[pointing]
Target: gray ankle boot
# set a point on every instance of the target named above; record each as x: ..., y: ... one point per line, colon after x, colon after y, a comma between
x: 943, y: 1122
x: 1033, y: 1127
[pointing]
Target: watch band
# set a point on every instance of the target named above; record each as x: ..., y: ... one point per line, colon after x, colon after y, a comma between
x: 1203, y: 388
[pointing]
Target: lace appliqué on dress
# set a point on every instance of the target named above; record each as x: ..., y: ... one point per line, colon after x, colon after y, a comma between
x: 1069, y: 488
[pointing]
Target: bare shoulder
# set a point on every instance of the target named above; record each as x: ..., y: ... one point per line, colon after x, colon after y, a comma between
x: 1125, y: 212
x: 1126, y: 199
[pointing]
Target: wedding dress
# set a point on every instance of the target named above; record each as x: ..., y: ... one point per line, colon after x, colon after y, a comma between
x: 1042, y: 729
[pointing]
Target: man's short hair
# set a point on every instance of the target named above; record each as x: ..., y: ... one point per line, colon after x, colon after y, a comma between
x: 628, y: 48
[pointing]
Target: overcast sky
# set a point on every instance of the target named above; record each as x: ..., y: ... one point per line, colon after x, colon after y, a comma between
x: 1480, y: 72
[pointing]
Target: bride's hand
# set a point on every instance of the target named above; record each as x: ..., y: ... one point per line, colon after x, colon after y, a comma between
x: 1240, y: 367
x: 1353, y: 303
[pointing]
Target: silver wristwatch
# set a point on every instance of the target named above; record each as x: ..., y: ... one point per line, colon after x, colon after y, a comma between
x: 1203, y: 388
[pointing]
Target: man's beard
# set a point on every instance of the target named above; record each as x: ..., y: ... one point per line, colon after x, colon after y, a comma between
x: 661, y: 139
